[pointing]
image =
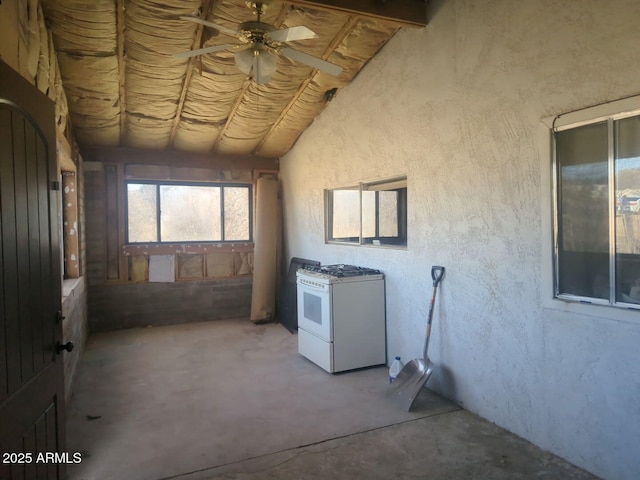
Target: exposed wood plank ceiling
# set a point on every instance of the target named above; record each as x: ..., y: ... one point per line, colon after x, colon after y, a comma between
x: 126, y: 88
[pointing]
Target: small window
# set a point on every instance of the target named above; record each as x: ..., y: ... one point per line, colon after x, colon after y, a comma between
x: 368, y: 214
x: 598, y: 211
x: 182, y: 213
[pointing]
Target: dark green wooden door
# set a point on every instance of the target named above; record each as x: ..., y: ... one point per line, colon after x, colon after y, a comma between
x: 31, y: 371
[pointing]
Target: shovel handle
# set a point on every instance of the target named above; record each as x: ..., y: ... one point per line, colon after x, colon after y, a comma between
x: 437, y: 273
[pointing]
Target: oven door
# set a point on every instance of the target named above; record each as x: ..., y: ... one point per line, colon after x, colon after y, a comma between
x: 314, y: 308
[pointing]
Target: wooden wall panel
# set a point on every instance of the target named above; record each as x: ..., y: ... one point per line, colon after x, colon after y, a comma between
x: 95, y: 223
x: 190, y: 266
x: 111, y: 199
x: 139, y: 268
x: 220, y: 264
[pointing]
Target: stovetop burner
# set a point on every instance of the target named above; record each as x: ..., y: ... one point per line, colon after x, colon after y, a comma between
x: 342, y: 270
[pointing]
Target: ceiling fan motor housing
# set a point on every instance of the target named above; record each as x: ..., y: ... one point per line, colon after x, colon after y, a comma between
x: 255, y: 31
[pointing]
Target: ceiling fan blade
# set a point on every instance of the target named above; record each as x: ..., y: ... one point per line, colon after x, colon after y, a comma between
x: 290, y: 34
x: 202, y: 51
x: 220, y: 28
x: 315, y: 62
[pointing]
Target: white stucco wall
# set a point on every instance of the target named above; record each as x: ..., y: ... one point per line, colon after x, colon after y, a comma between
x: 458, y: 108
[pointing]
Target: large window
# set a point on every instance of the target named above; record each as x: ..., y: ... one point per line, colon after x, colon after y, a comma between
x: 178, y: 213
x: 598, y: 211
x: 368, y: 214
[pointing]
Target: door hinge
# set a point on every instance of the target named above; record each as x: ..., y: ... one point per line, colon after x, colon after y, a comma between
x: 55, y: 186
x: 59, y: 316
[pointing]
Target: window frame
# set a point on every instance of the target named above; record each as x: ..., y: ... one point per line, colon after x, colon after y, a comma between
x: 609, y: 114
x: 400, y: 184
x: 160, y: 183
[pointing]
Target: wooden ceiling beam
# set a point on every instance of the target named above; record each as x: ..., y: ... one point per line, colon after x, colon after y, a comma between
x: 407, y: 13
x: 121, y: 70
x: 206, y: 6
x: 346, y: 29
x: 63, y: 150
x: 175, y: 158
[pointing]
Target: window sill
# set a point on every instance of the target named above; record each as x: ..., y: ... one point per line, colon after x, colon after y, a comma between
x: 177, y: 248
x: 607, y: 311
x: 71, y: 288
x: 368, y: 245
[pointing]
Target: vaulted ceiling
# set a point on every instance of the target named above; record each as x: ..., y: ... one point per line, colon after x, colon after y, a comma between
x: 125, y: 86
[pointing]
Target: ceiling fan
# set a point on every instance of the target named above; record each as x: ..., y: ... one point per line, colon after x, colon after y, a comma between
x: 261, y: 44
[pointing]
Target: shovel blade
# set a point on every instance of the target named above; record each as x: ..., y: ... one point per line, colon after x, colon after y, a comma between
x: 411, y: 379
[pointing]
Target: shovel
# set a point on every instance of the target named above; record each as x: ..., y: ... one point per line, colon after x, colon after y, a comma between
x: 414, y: 375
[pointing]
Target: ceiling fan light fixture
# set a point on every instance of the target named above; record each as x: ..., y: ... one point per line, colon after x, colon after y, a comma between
x: 259, y: 59
x: 244, y: 59
x: 263, y: 67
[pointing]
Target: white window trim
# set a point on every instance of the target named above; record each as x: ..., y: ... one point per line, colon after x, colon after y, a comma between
x: 399, y: 181
x: 625, y: 107
x: 617, y: 109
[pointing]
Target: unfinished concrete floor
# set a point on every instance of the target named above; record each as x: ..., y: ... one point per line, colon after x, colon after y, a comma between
x: 232, y: 400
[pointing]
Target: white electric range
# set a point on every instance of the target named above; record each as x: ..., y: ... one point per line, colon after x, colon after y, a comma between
x: 341, y: 316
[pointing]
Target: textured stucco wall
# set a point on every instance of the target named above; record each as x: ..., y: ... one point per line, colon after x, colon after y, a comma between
x: 459, y: 108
